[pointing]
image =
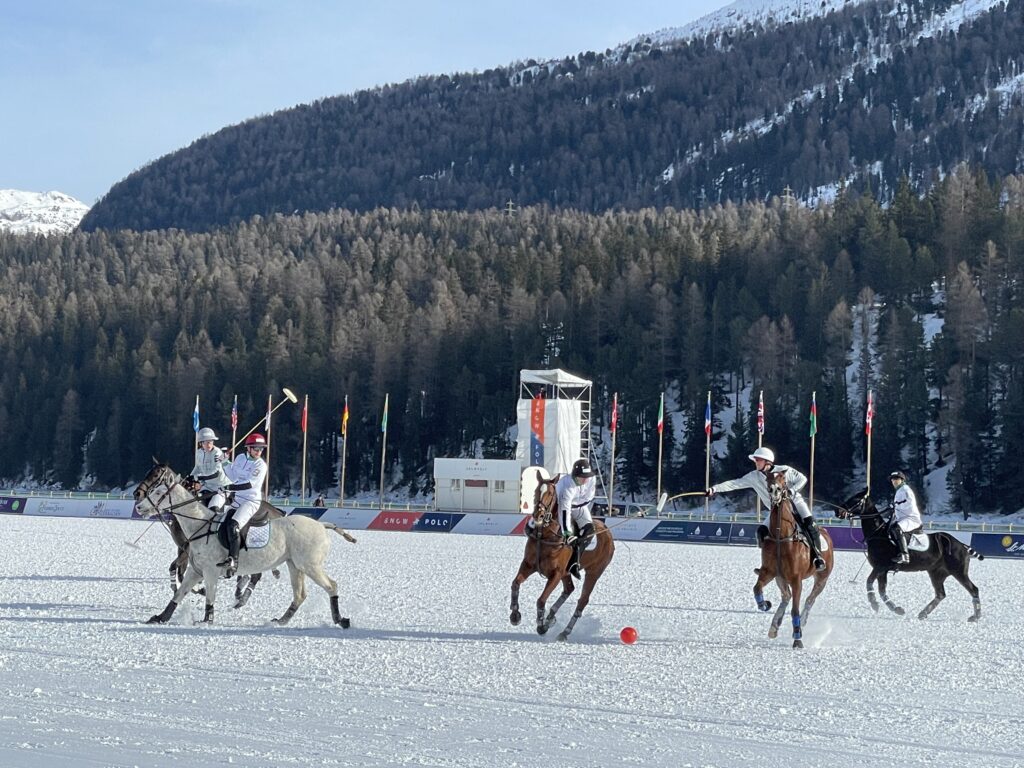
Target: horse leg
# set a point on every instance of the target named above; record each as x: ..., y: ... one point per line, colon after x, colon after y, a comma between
x: 764, y: 575
x: 191, y: 578
x: 883, y: 583
x: 820, y: 580
x: 524, y: 572
x: 553, y: 581
x: 797, y: 587
x: 211, y: 595
x: 872, y: 577
x: 298, y: 592
x: 966, y: 583
x: 773, y: 630
x: 567, y: 589
x: 938, y: 580
x: 330, y: 586
x: 588, y: 587
x: 242, y: 595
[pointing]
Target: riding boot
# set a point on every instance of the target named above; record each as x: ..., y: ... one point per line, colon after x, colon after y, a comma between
x: 231, y: 561
x: 813, y: 541
x: 579, y: 546
x: 903, y: 556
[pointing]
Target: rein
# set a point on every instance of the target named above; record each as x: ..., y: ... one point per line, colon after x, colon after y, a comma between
x: 208, y: 522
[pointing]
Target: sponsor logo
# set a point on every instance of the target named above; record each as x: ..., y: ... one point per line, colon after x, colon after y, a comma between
x: 52, y: 508
x: 395, y: 521
x: 103, y: 509
x: 1007, y: 542
x: 1017, y: 546
x: 11, y: 505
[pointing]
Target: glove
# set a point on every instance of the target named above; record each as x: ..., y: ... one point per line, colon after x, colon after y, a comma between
x: 709, y: 492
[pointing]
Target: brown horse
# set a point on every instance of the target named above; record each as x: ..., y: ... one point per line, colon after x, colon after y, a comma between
x: 786, y: 558
x: 547, y: 554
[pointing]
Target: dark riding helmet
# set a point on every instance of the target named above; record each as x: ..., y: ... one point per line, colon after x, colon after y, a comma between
x: 897, y: 475
x: 582, y: 468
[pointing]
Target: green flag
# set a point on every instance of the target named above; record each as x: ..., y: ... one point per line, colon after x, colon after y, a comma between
x: 814, y: 415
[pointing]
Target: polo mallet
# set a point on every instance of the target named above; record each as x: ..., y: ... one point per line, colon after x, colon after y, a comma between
x: 289, y: 397
x: 135, y: 544
x: 665, y: 498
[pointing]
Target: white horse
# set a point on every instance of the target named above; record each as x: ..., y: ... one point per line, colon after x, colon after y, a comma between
x: 299, y: 541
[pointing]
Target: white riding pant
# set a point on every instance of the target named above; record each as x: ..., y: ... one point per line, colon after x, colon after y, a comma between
x: 801, y: 506
x: 244, y: 512
x: 217, y: 500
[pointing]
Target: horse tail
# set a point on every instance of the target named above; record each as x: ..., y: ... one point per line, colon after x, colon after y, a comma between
x: 338, y: 530
x: 954, y: 550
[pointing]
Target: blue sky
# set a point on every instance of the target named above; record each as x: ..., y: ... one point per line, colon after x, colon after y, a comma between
x: 94, y: 90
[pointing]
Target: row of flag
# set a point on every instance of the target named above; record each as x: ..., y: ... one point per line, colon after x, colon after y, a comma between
x: 868, y: 416
x: 304, y: 423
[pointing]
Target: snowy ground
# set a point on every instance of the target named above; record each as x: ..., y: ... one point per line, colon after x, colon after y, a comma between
x: 433, y: 674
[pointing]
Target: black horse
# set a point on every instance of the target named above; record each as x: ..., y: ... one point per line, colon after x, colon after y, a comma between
x: 946, y: 556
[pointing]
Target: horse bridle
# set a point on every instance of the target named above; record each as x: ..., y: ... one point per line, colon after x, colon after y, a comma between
x: 176, y: 481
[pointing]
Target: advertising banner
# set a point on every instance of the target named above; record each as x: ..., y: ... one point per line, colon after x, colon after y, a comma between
x: 11, y: 505
x: 630, y: 528
x: 744, y: 534
x: 111, y: 508
x: 999, y: 544
x: 437, y: 522
x: 489, y: 525
x: 394, y: 521
x: 354, y: 519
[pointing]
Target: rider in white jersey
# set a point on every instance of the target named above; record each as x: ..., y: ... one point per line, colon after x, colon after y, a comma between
x: 906, y: 516
x: 246, y: 473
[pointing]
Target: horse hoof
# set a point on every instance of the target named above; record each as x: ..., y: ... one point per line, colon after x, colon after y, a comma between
x: 156, y: 620
x: 344, y: 623
x: 972, y: 619
x: 562, y: 636
x: 773, y: 633
x: 515, y: 617
x: 542, y: 629
x: 922, y: 615
x: 766, y: 606
x: 798, y: 643
x: 902, y: 612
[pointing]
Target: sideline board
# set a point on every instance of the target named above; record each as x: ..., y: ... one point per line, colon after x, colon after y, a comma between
x: 844, y: 537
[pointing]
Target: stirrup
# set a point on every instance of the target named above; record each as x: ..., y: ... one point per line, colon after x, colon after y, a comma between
x: 819, y: 563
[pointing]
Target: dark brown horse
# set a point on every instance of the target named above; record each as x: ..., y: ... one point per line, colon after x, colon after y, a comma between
x: 546, y: 553
x: 786, y: 558
x: 945, y: 556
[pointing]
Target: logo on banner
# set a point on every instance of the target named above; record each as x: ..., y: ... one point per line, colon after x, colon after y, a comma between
x: 395, y: 521
x: 537, y: 431
x: 1011, y: 546
x: 436, y: 521
x: 11, y: 505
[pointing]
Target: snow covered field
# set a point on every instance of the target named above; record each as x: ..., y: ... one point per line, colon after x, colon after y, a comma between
x: 432, y: 674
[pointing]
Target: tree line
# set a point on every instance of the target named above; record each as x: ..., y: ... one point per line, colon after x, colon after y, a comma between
x: 108, y: 337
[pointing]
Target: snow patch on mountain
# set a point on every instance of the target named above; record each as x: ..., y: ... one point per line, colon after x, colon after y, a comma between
x: 45, y: 213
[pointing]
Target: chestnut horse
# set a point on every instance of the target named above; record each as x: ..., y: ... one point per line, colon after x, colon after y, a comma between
x: 547, y: 554
x: 786, y: 558
x: 945, y: 556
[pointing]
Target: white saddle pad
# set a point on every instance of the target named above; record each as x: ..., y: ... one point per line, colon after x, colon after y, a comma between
x: 824, y: 544
x: 592, y: 544
x: 918, y: 542
x: 257, y: 538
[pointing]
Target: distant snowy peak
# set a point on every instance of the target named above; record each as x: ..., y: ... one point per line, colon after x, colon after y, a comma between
x: 45, y: 213
x: 747, y: 12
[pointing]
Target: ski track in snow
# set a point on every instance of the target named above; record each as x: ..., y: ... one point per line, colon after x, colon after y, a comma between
x: 432, y: 673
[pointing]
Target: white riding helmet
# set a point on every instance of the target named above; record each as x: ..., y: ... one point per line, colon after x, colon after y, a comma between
x: 205, y: 434
x: 763, y: 453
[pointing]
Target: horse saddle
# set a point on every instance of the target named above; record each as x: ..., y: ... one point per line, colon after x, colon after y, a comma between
x: 764, y: 533
x: 919, y: 542
x: 255, y: 533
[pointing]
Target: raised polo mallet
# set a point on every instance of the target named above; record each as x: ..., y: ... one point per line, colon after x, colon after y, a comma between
x: 289, y: 397
x: 666, y: 498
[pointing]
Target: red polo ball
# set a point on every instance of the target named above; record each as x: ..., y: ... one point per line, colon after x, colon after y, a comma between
x: 628, y: 635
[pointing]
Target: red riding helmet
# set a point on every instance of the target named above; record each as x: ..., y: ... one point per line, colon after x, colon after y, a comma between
x: 255, y: 440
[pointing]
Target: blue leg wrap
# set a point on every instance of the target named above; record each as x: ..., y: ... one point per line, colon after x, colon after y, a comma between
x: 797, y: 634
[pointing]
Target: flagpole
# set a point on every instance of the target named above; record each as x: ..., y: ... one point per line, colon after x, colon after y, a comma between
x: 383, y: 448
x: 661, y: 440
x: 266, y: 480
x: 305, y: 424
x: 760, y: 440
x: 814, y: 433
x: 344, y: 450
x: 611, y: 472
x: 867, y: 428
x: 234, y: 425
x: 707, y: 451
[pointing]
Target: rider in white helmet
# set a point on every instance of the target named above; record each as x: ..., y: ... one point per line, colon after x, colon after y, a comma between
x: 757, y: 481
x: 246, y: 474
x: 209, y: 469
x: 906, y: 518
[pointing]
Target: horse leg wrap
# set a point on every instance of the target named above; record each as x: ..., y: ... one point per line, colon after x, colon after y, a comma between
x: 336, y: 614
x: 208, y: 616
x: 797, y: 634
x: 163, y: 616
x: 288, y: 614
x: 244, y: 597
x: 760, y: 601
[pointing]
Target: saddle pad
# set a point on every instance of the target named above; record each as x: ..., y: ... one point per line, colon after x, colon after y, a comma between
x: 824, y: 544
x: 592, y: 544
x: 918, y: 542
x: 257, y: 538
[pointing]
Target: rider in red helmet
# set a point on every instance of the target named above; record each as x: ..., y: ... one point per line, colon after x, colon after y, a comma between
x: 246, y: 473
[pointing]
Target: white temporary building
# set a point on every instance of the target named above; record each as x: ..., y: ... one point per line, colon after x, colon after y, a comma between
x: 553, y: 416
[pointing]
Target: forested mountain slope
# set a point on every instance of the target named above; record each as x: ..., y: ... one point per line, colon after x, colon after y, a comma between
x: 862, y: 95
